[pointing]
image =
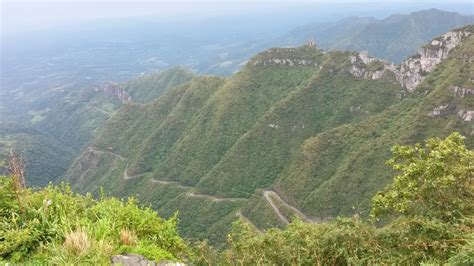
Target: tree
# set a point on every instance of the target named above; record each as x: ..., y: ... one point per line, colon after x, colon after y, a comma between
x: 434, y: 181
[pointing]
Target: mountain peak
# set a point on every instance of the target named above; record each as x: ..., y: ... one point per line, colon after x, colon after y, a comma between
x: 306, y: 55
x: 413, y: 70
x: 431, y: 11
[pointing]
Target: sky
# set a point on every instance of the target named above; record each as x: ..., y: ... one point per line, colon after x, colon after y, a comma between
x: 30, y: 15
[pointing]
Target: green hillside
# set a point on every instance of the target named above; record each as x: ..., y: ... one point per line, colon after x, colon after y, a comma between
x: 149, y: 87
x: 58, y: 133
x: 74, y: 120
x: 299, y: 131
x: 45, y: 158
x: 393, y: 38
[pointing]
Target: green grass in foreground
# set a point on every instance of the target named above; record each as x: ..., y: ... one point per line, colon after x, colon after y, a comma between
x: 55, y: 225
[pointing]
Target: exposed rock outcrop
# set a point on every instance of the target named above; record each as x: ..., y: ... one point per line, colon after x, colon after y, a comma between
x: 273, y: 125
x: 466, y: 116
x: 461, y: 92
x: 467, y: 58
x: 301, y: 56
x: 409, y: 74
x: 286, y: 62
x: 114, y: 90
x: 413, y: 70
x: 137, y: 260
x: 438, y: 110
x: 361, y: 64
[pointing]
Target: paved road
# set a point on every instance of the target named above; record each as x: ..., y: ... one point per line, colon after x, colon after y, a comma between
x: 212, y: 198
x: 94, y: 150
x: 161, y: 182
x: 127, y: 177
x: 268, y: 194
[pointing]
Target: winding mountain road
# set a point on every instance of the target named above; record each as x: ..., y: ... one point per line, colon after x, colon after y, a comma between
x: 275, y: 208
x: 127, y: 177
x: 212, y: 198
x: 94, y: 150
x: 161, y: 182
x: 268, y: 194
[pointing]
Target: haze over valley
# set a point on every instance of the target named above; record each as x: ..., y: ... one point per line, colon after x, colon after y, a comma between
x: 279, y: 115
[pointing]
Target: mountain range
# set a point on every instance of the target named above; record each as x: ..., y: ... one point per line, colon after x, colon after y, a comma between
x: 297, y: 132
x: 66, y: 124
x: 394, y: 38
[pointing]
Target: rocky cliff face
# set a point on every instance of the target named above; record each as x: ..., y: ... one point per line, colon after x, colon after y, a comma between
x: 413, y: 70
x: 461, y: 92
x: 114, y: 90
x: 409, y: 73
x: 466, y: 115
x: 285, y: 61
x: 364, y: 66
x: 438, y: 110
x: 302, y: 56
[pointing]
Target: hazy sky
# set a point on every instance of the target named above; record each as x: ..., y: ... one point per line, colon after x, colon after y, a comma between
x: 26, y: 15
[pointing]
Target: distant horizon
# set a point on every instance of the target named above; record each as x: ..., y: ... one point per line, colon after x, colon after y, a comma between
x: 27, y: 16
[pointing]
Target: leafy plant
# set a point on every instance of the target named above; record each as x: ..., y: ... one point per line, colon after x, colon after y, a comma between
x: 435, y: 181
x: 59, y: 226
x: 421, y: 232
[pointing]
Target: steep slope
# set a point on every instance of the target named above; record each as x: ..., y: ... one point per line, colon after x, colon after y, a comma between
x: 330, y: 98
x: 298, y: 131
x: 149, y: 87
x: 45, y: 158
x: 336, y: 172
x: 56, y: 134
x: 393, y: 38
x: 74, y: 120
x: 137, y: 130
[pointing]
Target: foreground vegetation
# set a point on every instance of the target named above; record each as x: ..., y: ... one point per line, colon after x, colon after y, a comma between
x: 55, y: 225
x: 425, y: 216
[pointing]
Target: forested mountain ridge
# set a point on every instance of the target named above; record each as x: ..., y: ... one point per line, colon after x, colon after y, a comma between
x: 45, y: 158
x: 58, y: 133
x: 61, y: 94
x: 297, y: 131
x: 82, y: 111
x: 394, y: 38
x: 343, y: 142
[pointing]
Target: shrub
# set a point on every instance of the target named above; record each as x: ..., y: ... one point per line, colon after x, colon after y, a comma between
x: 435, y: 181
x: 431, y: 219
x: 59, y: 226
